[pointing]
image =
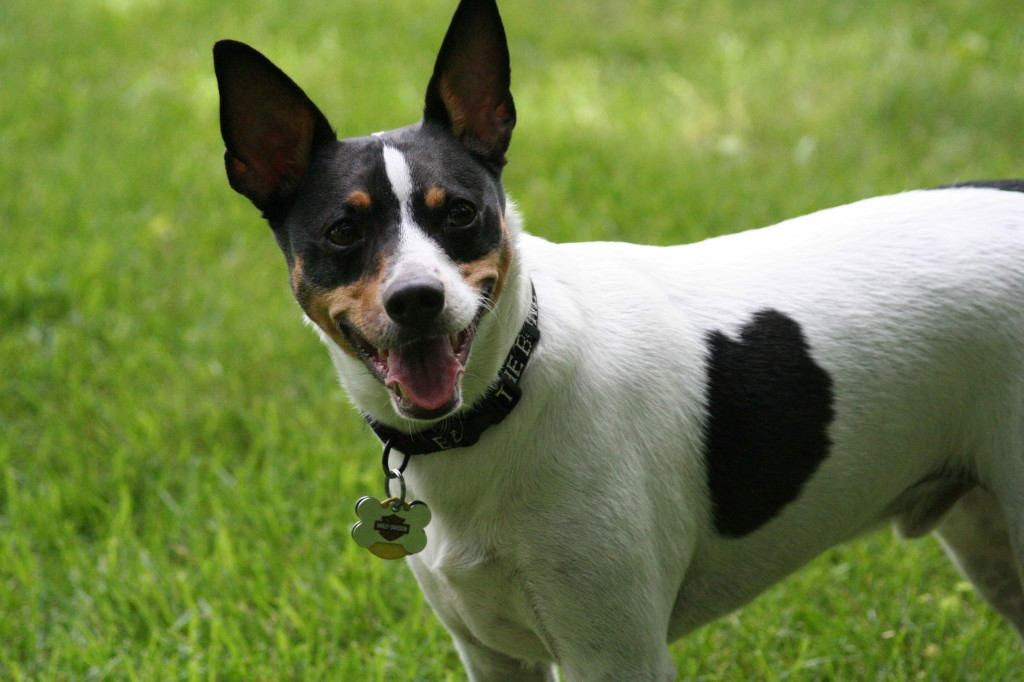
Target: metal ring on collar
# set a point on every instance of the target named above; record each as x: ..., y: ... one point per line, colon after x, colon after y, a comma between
x: 386, y: 464
x: 392, y: 475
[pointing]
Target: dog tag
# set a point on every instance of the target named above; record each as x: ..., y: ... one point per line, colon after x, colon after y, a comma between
x: 391, y: 529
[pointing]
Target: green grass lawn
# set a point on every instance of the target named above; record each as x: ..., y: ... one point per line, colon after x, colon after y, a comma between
x: 177, y: 465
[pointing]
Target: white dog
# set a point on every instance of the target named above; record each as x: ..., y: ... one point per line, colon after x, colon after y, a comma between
x: 623, y: 442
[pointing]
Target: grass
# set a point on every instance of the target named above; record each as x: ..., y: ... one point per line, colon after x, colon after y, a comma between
x: 177, y: 466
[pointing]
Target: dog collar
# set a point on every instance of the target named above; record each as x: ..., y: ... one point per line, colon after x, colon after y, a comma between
x: 464, y: 429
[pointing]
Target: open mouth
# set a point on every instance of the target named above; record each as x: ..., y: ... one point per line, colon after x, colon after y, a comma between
x: 422, y: 375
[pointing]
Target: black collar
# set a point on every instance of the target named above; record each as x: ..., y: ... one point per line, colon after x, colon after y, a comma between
x: 465, y: 428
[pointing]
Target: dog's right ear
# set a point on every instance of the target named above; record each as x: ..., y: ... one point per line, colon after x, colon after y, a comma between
x: 270, y: 127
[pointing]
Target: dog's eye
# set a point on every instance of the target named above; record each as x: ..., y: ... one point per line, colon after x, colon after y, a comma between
x: 461, y: 214
x: 344, y: 234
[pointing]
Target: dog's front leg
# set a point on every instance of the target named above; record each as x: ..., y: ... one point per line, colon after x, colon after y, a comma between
x: 630, y: 661
x: 605, y: 621
x: 483, y: 663
x: 486, y: 665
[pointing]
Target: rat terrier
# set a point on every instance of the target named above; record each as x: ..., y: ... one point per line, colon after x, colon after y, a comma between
x: 620, y: 443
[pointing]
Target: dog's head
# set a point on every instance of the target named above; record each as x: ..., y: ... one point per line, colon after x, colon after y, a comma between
x: 397, y: 243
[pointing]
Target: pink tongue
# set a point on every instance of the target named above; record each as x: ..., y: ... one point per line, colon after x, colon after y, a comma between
x: 427, y: 370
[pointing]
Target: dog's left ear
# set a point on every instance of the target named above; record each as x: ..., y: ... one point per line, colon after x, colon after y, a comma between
x: 469, y: 91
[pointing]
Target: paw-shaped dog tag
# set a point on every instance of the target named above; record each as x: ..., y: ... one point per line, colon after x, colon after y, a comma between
x: 391, y: 529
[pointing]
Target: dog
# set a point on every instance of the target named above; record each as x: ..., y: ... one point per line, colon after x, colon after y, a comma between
x: 619, y: 443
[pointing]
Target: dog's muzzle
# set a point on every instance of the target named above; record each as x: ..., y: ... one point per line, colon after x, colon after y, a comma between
x: 423, y: 365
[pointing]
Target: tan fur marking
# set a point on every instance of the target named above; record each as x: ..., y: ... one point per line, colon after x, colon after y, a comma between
x: 504, y: 263
x: 295, y: 276
x: 436, y: 198
x: 359, y: 199
x: 494, y: 265
x: 358, y: 303
x: 476, y: 272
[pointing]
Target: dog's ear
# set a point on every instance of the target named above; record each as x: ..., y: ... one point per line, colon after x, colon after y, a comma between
x: 269, y: 125
x: 469, y: 91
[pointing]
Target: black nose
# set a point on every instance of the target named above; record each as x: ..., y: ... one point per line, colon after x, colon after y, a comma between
x: 414, y: 303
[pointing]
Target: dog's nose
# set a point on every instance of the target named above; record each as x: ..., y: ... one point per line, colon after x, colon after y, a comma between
x: 414, y: 303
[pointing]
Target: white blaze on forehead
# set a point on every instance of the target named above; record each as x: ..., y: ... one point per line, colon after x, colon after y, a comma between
x: 400, y: 178
x: 416, y: 248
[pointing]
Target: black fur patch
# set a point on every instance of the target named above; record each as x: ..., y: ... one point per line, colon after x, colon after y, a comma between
x: 337, y: 170
x: 438, y: 160
x: 1005, y: 185
x: 769, y: 407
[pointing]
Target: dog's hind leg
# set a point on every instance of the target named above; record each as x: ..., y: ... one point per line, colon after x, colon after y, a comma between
x: 976, y: 535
